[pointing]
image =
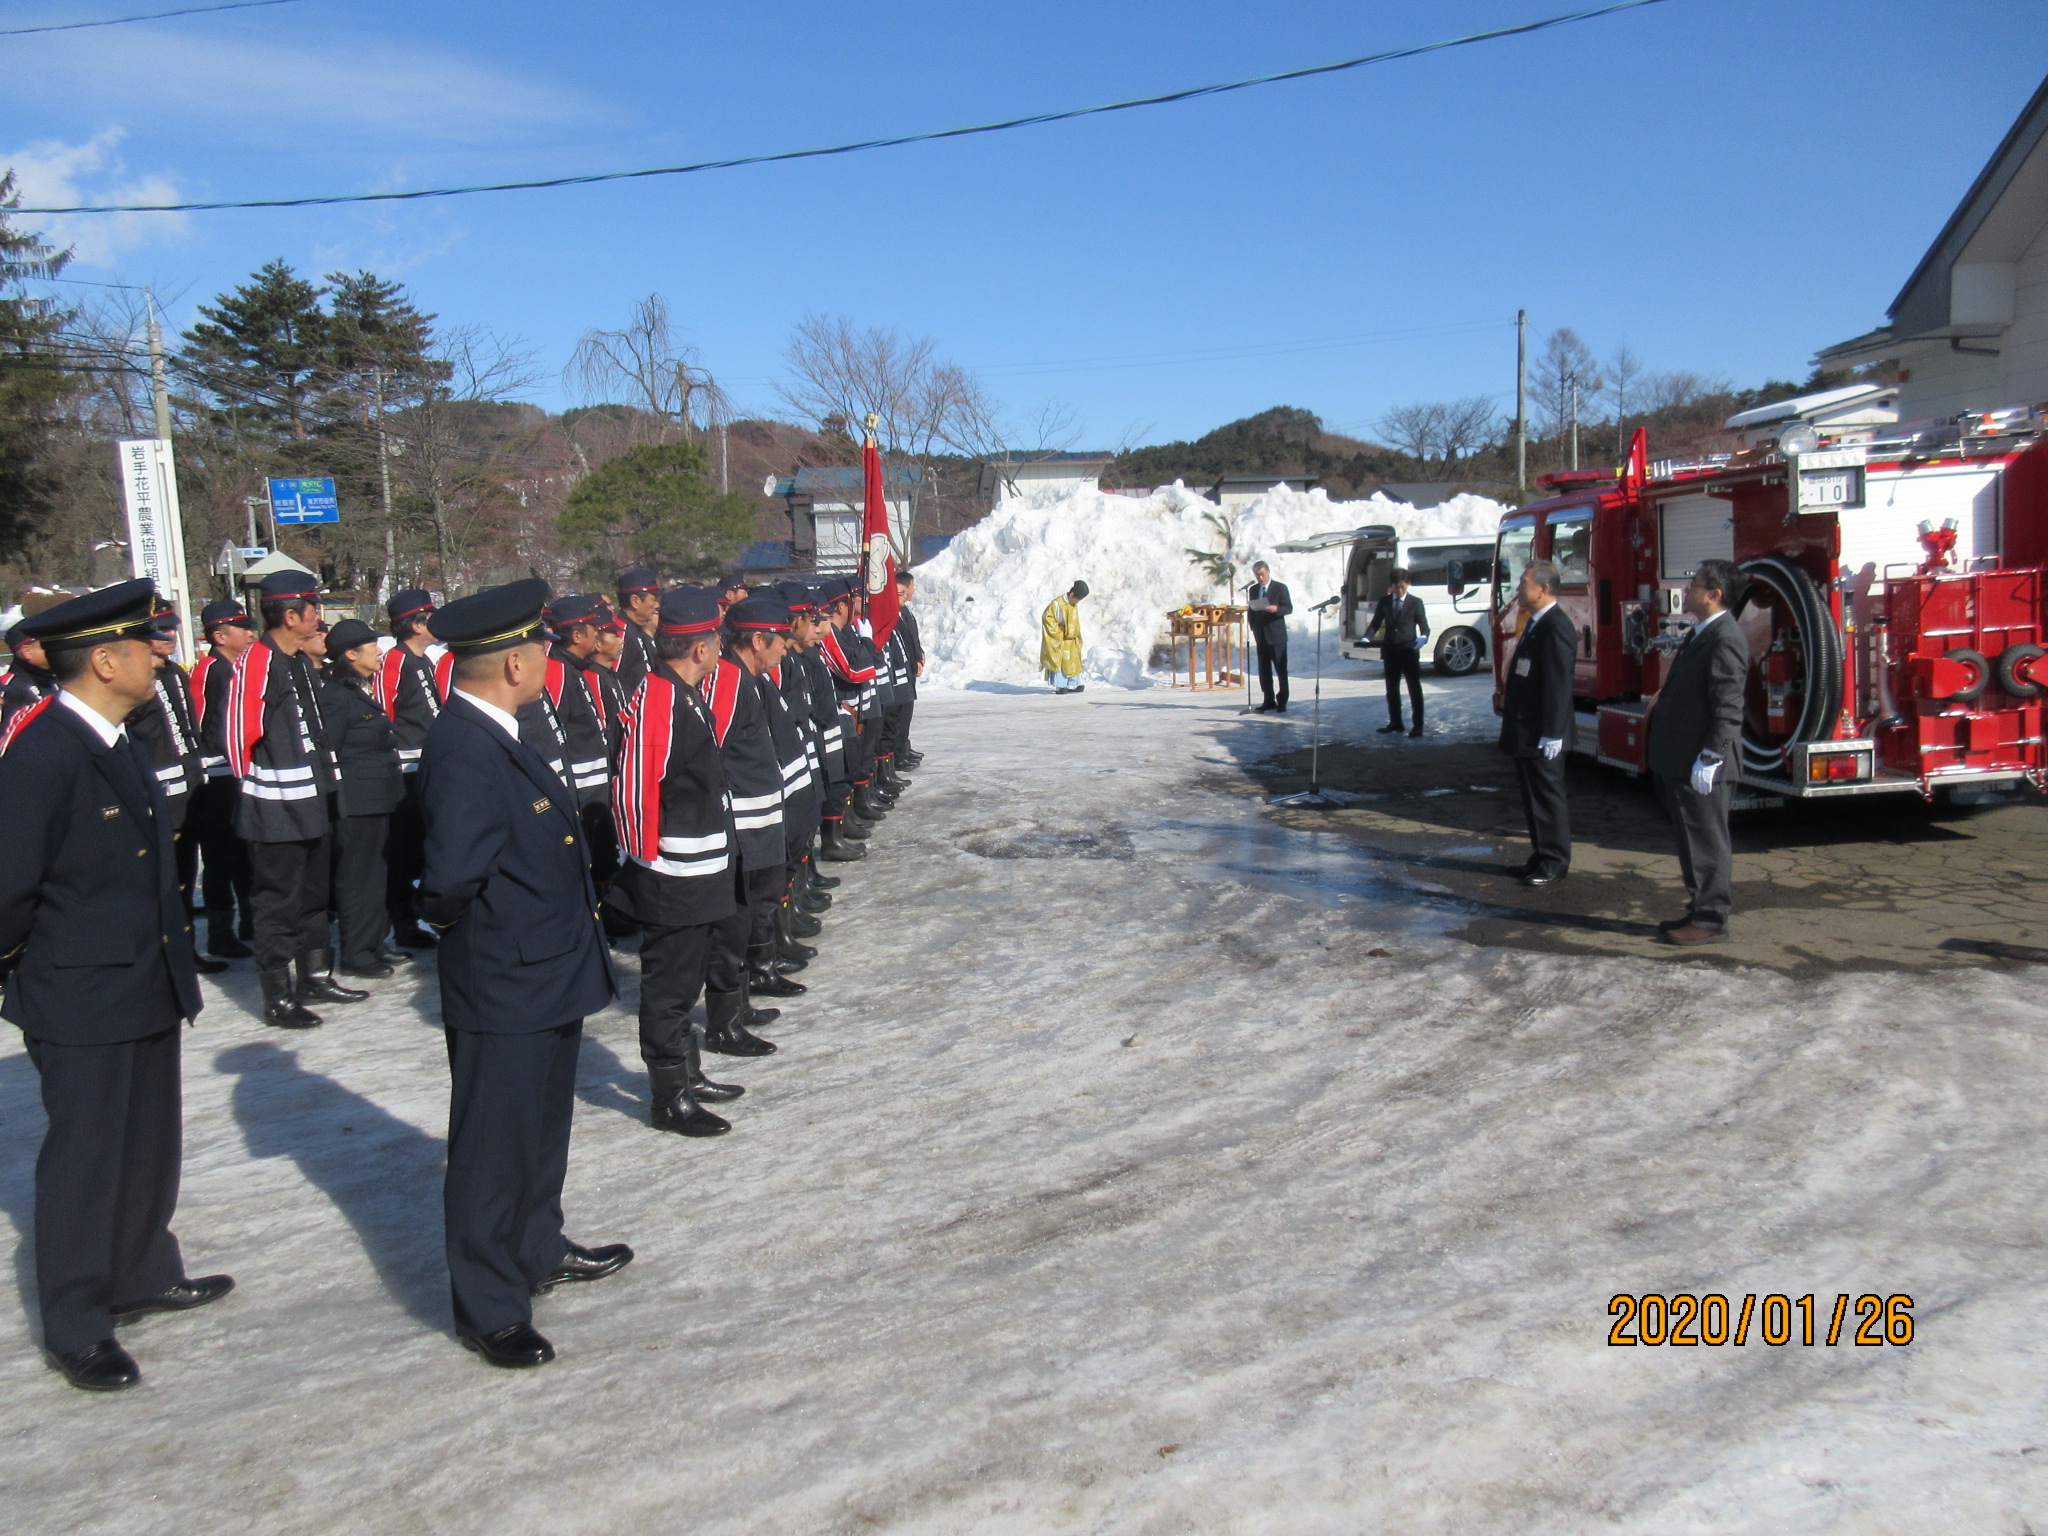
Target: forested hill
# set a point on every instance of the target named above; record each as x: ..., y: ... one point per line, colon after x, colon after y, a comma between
x: 1282, y: 441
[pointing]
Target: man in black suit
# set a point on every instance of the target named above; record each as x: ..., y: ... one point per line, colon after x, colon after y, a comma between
x: 96, y: 954
x: 522, y: 961
x: 1268, y: 602
x: 1402, y: 626
x: 1695, y: 732
x: 1536, y: 723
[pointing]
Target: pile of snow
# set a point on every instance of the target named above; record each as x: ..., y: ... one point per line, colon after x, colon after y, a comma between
x: 979, y: 601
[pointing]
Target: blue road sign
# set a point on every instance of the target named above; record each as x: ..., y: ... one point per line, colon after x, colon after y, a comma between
x: 304, y: 501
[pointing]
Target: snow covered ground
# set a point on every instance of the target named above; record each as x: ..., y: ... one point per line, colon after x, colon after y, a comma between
x: 1125, y: 1171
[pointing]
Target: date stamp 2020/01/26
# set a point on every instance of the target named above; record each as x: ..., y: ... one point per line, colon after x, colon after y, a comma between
x: 1775, y: 1319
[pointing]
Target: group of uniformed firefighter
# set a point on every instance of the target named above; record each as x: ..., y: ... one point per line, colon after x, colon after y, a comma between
x: 518, y: 782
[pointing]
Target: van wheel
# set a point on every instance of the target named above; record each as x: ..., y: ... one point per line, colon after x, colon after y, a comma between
x: 1458, y: 652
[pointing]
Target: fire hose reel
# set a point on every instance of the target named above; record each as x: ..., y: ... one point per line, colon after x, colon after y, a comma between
x: 2017, y: 668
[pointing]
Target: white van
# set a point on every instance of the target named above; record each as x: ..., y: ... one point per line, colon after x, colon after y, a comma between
x: 1457, y: 624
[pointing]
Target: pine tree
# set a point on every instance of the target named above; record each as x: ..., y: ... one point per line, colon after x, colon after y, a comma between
x: 32, y: 381
x: 655, y: 504
x: 263, y: 353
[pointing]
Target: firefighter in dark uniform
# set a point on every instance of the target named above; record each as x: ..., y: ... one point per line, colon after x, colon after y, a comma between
x: 223, y: 856
x: 756, y: 635
x: 640, y: 607
x: 96, y: 954
x: 167, y: 725
x: 410, y: 694
x: 678, y: 882
x: 907, y: 757
x: 851, y: 662
x: 276, y: 747
x: 522, y: 962
x: 368, y: 788
x: 789, y: 730
x: 575, y: 694
x: 799, y: 683
x: 611, y: 646
x: 838, y: 840
x: 28, y: 676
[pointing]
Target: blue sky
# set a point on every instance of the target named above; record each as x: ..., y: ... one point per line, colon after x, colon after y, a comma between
x: 1725, y: 185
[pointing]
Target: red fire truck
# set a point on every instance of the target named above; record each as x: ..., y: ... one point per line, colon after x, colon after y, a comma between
x: 1894, y: 610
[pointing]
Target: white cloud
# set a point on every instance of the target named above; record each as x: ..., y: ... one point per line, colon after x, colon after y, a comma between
x: 277, y: 92
x: 52, y: 174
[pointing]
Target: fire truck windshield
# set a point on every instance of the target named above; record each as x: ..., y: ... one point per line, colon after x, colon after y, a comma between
x: 1517, y: 539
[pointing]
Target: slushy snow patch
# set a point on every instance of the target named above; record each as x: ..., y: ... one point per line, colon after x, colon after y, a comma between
x: 979, y: 601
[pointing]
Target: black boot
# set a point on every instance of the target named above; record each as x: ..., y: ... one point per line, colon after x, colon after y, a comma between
x: 765, y: 978
x: 221, y: 942
x: 907, y: 761
x: 791, y: 955
x: 281, y: 1001
x: 207, y: 966
x: 885, y: 773
x: 317, y: 983
x: 675, y: 1109
x: 865, y: 805
x: 813, y: 901
x: 723, y: 1031
x: 416, y: 935
x: 836, y: 849
x: 702, y: 1089
x: 819, y: 879
x: 801, y: 924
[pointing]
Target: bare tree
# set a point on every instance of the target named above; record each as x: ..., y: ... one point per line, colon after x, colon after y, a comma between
x: 1437, y: 434
x: 450, y: 477
x: 1624, y: 383
x: 1566, y: 383
x: 660, y: 375
x: 841, y: 373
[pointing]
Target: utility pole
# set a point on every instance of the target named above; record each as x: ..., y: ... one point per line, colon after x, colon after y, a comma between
x: 1571, y: 380
x: 159, y: 391
x: 385, y: 587
x: 1522, y: 403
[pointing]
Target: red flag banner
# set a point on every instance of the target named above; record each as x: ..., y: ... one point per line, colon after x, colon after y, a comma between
x: 877, y: 555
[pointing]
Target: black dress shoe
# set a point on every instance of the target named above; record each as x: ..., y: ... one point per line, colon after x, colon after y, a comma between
x: 1536, y: 882
x: 514, y: 1348
x: 586, y: 1264
x: 373, y: 971
x: 208, y: 967
x: 1263, y: 709
x: 1673, y: 924
x: 414, y: 936
x: 182, y: 1297
x: 101, y: 1367
x: 1416, y: 732
x: 1392, y: 728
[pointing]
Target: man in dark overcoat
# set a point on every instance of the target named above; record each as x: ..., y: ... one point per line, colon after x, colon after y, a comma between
x: 522, y: 961
x: 96, y: 956
x: 1695, y: 734
x: 1536, y: 722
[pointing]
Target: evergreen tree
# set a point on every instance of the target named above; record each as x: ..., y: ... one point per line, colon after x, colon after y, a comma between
x: 32, y: 381
x: 263, y: 353
x: 655, y: 505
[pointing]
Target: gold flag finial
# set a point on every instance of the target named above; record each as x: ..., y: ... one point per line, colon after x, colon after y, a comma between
x: 874, y: 421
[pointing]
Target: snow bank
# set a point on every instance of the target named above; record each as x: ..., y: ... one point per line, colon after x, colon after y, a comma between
x: 979, y: 601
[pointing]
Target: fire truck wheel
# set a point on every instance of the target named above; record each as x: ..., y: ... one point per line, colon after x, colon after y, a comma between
x: 1980, y: 673
x: 2014, y: 670
x: 1458, y: 652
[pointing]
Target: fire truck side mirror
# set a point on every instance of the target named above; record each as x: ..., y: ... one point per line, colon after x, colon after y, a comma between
x: 1454, y: 578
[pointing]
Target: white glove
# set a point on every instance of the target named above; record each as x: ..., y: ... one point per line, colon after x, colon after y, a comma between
x: 1550, y: 746
x: 1706, y: 769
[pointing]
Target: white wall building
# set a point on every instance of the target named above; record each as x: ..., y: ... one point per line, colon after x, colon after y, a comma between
x: 1969, y: 331
x: 1041, y: 476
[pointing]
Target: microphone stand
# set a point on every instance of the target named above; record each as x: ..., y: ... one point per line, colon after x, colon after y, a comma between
x: 1315, y: 797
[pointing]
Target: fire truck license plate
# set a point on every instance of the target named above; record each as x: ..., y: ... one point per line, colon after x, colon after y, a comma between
x: 1830, y: 487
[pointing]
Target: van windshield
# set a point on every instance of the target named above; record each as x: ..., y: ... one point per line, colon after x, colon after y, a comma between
x: 1429, y: 565
x: 1517, y: 540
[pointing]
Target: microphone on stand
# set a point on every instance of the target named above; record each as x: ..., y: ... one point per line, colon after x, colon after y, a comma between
x: 1328, y: 602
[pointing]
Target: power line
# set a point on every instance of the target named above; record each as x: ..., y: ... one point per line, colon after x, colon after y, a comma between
x: 122, y: 21
x: 1035, y: 121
